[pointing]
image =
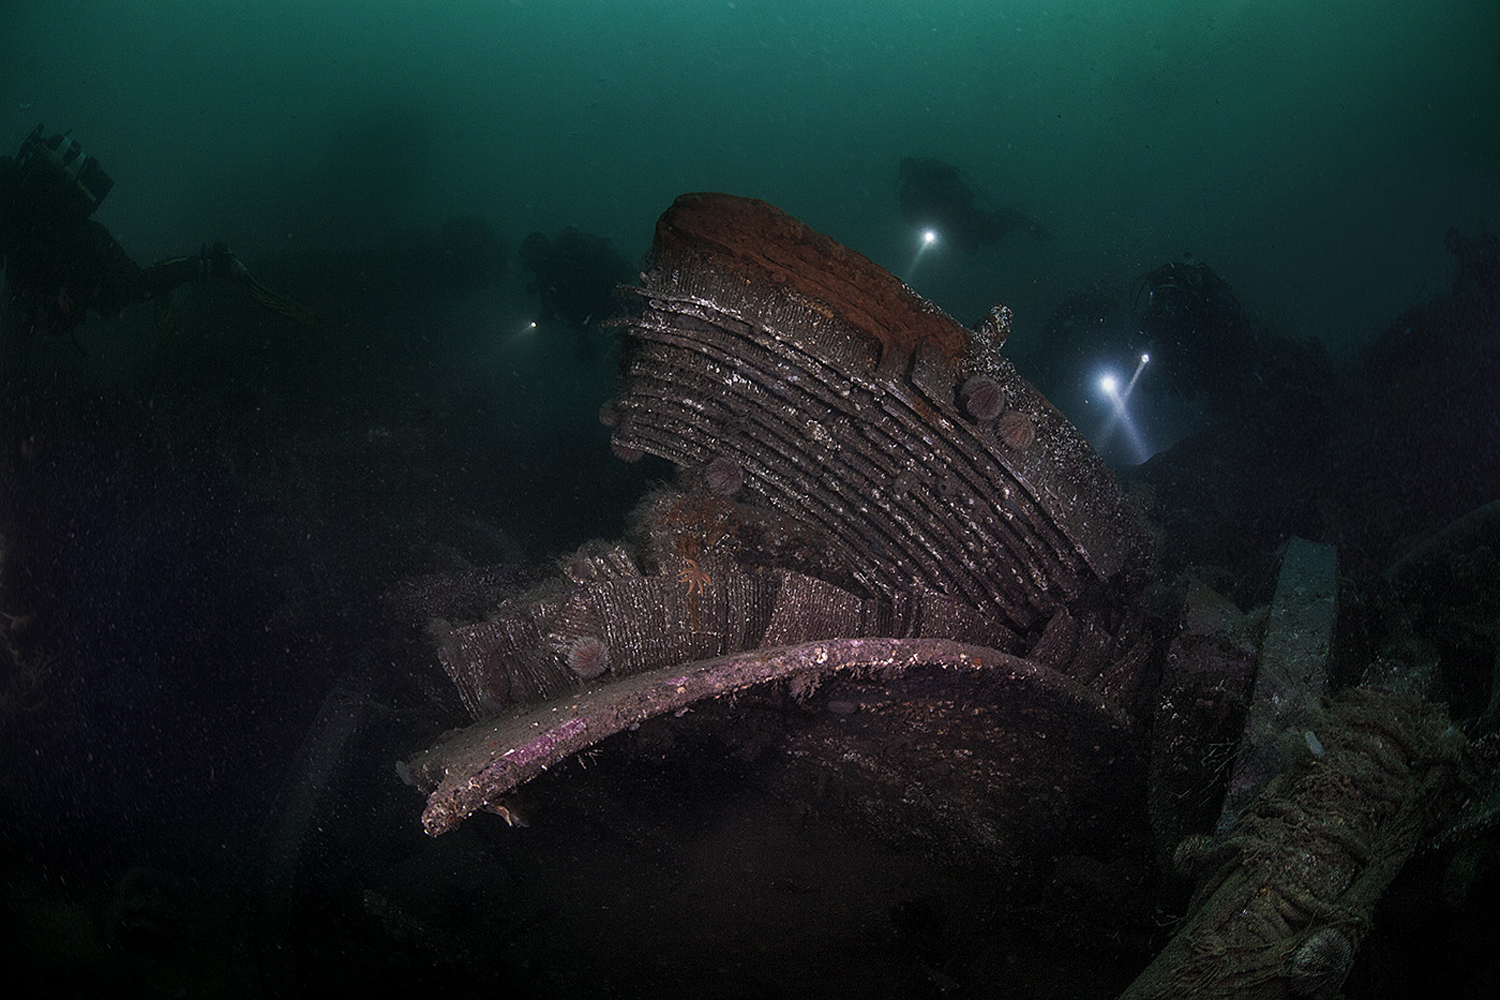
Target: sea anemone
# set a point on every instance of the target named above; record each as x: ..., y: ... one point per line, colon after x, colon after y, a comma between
x: 625, y: 452
x: 1320, y: 964
x: 1016, y: 431
x: 723, y: 476
x: 981, y: 398
x: 588, y: 657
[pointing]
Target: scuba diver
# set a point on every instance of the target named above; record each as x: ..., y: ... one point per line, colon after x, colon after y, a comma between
x: 1200, y: 338
x: 938, y: 196
x: 61, y: 264
x: 1142, y: 374
x: 1201, y: 343
x: 574, y: 277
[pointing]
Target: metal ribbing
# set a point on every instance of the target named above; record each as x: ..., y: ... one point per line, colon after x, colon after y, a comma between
x: 910, y: 492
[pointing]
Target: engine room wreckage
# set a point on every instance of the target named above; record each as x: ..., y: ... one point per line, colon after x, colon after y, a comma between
x: 862, y: 468
x: 877, y: 521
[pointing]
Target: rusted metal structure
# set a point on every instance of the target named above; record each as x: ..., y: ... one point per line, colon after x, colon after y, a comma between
x: 870, y: 495
x: 885, y: 536
x: 874, y: 512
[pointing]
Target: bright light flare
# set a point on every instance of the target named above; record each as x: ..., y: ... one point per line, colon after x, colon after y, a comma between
x: 927, y: 238
x: 1119, y: 416
x: 1145, y: 360
x: 522, y: 334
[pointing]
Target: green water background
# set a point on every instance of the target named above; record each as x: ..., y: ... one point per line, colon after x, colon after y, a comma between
x: 1313, y: 153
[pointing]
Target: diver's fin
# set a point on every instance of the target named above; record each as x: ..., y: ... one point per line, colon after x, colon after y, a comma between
x: 1009, y: 217
x: 226, y: 265
x: 164, y: 319
x: 279, y: 304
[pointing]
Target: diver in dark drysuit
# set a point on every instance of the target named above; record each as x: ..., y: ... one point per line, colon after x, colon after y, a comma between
x: 938, y: 196
x: 61, y: 264
x: 574, y: 277
x: 1200, y: 338
x: 1270, y: 399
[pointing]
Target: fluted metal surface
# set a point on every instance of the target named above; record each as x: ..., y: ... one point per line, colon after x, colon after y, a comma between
x: 836, y: 391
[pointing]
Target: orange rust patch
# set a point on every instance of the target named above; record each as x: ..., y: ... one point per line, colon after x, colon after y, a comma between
x: 763, y: 244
